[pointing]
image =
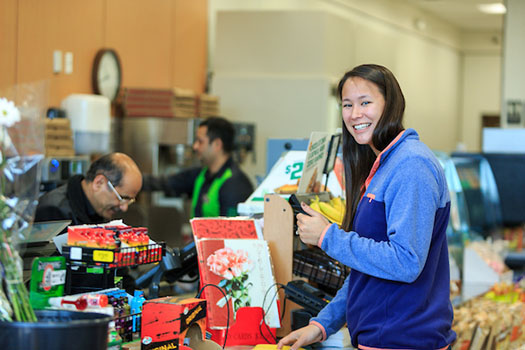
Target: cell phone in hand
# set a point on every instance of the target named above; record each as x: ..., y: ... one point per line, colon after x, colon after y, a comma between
x: 295, y: 203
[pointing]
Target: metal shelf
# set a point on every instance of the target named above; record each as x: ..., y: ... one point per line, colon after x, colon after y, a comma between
x: 119, y: 257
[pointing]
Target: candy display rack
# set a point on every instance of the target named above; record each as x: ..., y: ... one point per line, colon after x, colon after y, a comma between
x: 118, y: 257
x: 90, y: 269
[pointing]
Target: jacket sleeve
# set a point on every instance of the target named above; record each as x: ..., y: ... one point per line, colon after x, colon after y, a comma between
x: 49, y: 213
x: 172, y: 185
x: 333, y: 316
x: 411, y: 200
x: 54, y: 205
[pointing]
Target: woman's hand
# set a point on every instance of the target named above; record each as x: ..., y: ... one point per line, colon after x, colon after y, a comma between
x: 310, y: 227
x: 301, y: 337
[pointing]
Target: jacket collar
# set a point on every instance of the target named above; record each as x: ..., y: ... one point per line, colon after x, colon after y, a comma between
x: 403, y: 135
x: 82, y: 210
x: 221, y: 171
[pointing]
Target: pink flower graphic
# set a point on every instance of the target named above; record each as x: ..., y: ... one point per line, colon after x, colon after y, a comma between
x: 229, y: 264
x: 233, y: 266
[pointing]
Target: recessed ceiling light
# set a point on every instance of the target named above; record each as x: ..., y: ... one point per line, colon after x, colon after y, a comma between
x: 492, y: 9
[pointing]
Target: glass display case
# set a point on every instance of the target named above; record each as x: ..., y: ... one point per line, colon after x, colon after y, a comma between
x: 481, y: 193
x: 458, y: 230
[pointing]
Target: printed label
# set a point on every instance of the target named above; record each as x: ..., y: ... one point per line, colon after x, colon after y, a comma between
x: 58, y: 277
x: 103, y: 255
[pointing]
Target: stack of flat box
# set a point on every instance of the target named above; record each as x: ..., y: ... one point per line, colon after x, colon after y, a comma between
x: 59, y: 138
x: 208, y: 106
x: 148, y: 102
x: 184, y: 103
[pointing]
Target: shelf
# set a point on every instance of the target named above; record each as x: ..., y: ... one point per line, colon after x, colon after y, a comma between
x: 119, y: 257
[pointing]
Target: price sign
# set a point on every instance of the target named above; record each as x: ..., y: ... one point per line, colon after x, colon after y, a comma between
x: 294, y: 170
x: 287, y: 171
x: 103, y: 255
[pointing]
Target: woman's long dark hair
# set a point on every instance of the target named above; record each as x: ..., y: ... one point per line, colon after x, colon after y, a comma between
x: 358, y: 159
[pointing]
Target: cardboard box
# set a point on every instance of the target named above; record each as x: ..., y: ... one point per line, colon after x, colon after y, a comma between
x: 91, y: 237
x: 173, y: 323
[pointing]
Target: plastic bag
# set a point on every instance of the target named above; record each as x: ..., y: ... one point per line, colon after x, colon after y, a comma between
x: 21, y: 147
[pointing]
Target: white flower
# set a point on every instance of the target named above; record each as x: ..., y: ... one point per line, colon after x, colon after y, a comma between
x: 9, y: 114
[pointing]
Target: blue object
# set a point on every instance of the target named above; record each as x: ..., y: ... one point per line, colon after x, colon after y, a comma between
x: 136, y: 307
x: 54, y: 165
x: 458, y: 227
x: 276, y: 147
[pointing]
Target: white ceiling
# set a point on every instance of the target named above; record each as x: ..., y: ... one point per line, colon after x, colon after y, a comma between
x: 462, y: 13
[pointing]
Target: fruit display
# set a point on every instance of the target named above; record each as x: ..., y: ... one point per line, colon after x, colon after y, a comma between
x: 334, y: 210
x: 506, y: 292
x: 492, y: 321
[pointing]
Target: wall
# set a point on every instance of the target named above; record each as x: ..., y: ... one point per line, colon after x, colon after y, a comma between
x: 8, y: 42
x: 481, y: 85
x: 428, y: 64
x: 161, y: 43
x: 514, y: 55
x: 392, y: 12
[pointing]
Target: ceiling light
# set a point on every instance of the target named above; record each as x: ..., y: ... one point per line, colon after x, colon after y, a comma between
x: 492, y: 9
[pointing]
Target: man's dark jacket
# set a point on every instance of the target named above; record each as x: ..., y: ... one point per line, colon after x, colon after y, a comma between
x: 67, y: 202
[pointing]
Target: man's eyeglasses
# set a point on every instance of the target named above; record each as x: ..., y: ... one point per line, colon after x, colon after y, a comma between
x: 122, y: 200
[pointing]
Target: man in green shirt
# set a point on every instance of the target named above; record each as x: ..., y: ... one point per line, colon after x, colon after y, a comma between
x: 219, y: 185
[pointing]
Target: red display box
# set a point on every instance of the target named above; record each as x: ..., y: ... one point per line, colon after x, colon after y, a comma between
x: 165, y: 321
x: 249, y: 328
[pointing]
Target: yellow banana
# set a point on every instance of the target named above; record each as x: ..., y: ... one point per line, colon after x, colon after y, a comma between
x: 340, y: 205
x: 331, y: 213
x: 315, y: 206
x: 337, y: 202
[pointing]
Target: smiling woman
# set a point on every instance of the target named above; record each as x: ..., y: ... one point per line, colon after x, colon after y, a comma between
x: 363, y: 106
x: 393, y: 236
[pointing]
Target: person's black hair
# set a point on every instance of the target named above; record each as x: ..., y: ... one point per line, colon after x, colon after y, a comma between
x: 359, y: 159
x: 107, y: 166
x: 220, y: 128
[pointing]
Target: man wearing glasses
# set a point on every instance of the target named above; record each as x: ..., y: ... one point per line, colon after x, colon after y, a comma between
x: 111, y: 184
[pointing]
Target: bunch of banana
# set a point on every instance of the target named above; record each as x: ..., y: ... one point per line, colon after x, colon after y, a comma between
x: 333, y: 210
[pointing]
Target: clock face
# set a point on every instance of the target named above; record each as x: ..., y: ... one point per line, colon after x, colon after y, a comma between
x: 106, y: 74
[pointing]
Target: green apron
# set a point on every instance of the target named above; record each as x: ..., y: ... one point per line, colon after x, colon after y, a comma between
x: 211, y: 207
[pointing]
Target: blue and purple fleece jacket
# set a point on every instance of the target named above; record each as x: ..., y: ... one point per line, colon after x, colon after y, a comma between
x: 397, y: 295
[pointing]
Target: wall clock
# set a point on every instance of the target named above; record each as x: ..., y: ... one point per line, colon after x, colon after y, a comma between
x: 106, y: 75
